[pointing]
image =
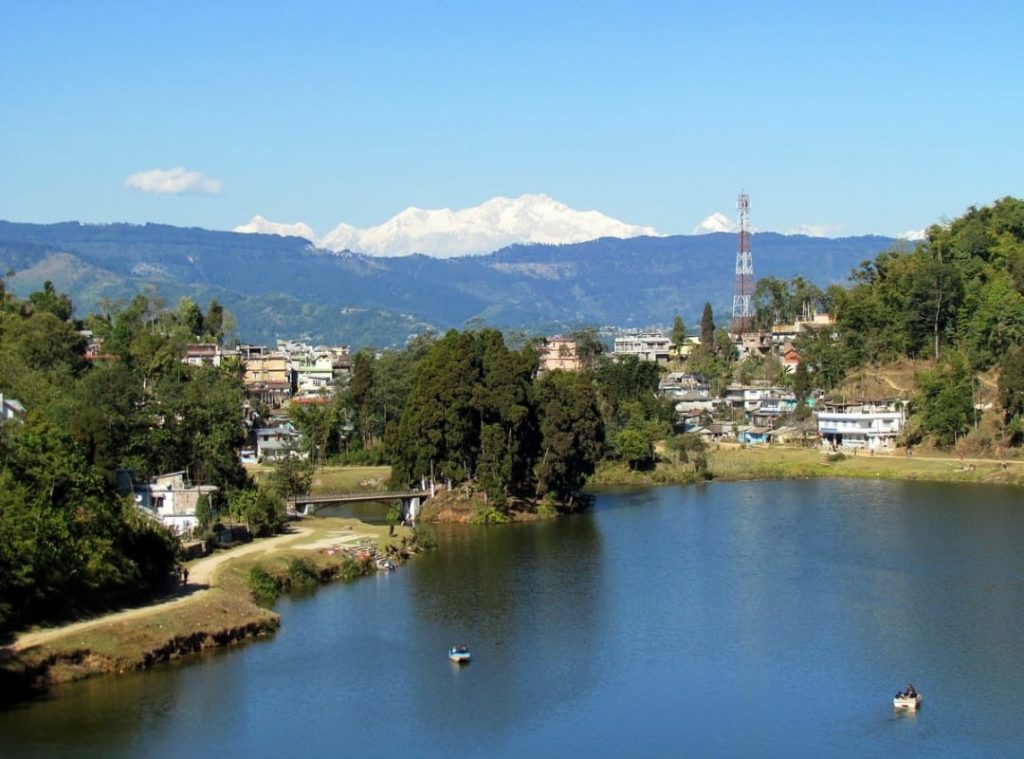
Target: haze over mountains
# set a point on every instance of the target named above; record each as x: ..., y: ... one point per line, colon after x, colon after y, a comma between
x: 286, y: 287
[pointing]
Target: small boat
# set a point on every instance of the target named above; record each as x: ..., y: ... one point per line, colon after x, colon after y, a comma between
x: 459, y: 654
x: 909, y: 699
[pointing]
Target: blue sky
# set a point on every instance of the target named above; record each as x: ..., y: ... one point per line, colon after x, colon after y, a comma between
x: 853, y: 118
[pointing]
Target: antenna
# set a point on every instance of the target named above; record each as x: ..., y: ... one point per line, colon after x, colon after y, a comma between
x: 743, y: 288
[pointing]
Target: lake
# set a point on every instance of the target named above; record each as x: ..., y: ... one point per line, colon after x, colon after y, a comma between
x: 732, y: 619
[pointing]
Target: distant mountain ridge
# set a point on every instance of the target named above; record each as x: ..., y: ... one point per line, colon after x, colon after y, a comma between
x: 285, y: 287
x: 444, y: 233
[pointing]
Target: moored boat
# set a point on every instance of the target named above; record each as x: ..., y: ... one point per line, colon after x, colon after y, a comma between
x: 459, y: 654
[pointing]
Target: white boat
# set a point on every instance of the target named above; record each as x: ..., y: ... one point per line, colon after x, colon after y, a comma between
x: 909, y: 701
x: 459, y: 654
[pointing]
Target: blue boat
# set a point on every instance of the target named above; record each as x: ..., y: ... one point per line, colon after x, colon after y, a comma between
x: 459, y: 654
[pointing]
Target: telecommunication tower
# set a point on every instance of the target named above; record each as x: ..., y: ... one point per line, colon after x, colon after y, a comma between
x: 743, y: 289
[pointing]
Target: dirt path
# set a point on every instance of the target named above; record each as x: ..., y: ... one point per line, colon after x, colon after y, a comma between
x: 891, y: 384
x: 200, y: 580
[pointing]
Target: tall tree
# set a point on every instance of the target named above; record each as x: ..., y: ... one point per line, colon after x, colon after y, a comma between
x: 1011, y: 384
x: 945, y: 399
x: 678, y: 333
x: 707, y: 328
x: 572, y: 434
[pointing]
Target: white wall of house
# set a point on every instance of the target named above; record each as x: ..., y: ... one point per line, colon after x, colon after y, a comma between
x: 647, y: 346
x: 870, y: 430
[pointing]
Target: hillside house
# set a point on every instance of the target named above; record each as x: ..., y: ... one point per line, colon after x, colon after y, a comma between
x: 11, y: 409
x: 790, y: 358
x: 749, y: 435
x: 700, y: 402
x: 688, y: 346
x: 764, y: 399
x: 268, y: 376
x: 866, y: 425
x: 273, y: 443
x: 314, y: 373
x: 646, y: 346
x: 558, y: 352
x: 753, y: 344
x: 678, y: 382
x: 722, y: 431
x: 787, y: 333
x: 168, y: 497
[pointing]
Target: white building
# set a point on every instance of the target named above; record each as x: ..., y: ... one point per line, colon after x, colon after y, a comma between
x: 873, y: 426
x: 647, y: 346
x: 273, y: 443
x: 11, y: 409
x: 172, y: 500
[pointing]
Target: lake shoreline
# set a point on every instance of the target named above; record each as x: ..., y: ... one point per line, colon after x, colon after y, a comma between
x: 228, y: 616
x: 200, y: 618
x: 734, y: 463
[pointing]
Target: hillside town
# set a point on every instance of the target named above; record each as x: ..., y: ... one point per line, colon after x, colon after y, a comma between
x: 292, y: 374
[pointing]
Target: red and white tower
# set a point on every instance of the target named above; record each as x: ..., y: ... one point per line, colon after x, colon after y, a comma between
x: 743, y: 289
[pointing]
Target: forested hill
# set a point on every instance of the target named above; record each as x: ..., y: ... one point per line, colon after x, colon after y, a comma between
x: 283, y: 287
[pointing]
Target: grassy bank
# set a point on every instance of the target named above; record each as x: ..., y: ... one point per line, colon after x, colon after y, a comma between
x: 201, y: 618
x: 732, y: 462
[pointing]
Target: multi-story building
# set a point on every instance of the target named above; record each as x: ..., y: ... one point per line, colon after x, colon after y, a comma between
x: 868, y: 425
x: 314, y: 373
x: 268, y: 375
x: 647, y: 346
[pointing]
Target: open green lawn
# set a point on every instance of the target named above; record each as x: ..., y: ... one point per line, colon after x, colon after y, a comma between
x: 779, y: 462
x: 351, y: 479
x: 734, y: 462
x: 337, y: 479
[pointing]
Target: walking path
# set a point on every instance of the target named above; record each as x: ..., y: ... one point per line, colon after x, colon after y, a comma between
x: 201, y: 575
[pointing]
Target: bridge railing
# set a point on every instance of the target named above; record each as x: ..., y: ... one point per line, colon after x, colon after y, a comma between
x: 367, y: 496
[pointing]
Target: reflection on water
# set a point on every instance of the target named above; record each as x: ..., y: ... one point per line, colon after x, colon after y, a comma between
x: 772, y: 618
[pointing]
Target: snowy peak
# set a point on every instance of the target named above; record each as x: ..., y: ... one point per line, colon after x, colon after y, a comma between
x: 257, y: 224
x: 716, y: 222
x: 444, y: 233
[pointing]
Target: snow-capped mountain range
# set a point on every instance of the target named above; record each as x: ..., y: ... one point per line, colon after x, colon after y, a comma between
x: 482, y: 229
x: 495, y: 224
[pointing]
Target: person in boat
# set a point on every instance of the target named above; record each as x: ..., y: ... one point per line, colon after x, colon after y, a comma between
x: 911, y: 693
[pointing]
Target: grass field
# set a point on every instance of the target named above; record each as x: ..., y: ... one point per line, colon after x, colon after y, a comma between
x: 776, y: 462
x: 734, y: 462
x: 337, y: 479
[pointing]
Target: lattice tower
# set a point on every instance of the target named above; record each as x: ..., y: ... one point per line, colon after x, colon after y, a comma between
x: 743, y: 289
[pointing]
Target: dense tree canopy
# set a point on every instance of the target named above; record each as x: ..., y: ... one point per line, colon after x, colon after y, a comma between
x: 957, y: 298
x: 476, y: 411
x: 68, y: 541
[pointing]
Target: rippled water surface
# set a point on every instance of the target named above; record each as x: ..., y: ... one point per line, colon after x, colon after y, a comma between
x: 737, y: 619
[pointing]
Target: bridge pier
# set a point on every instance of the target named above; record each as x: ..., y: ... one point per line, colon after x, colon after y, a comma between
x: 411, y: 509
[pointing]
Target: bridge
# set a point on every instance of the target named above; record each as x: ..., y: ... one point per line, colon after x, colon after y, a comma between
x: 308, y: 504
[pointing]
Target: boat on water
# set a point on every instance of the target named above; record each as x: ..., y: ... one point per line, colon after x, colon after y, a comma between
x: 908, y: 699
x: 459, y: 654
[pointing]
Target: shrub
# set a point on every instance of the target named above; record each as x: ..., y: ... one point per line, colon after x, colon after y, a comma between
x: 425, y: 538
x: 263, y: 586
x: 488, y: 515
x: 351, y: 568
x: 546, y: 509
x: 302, y: 573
